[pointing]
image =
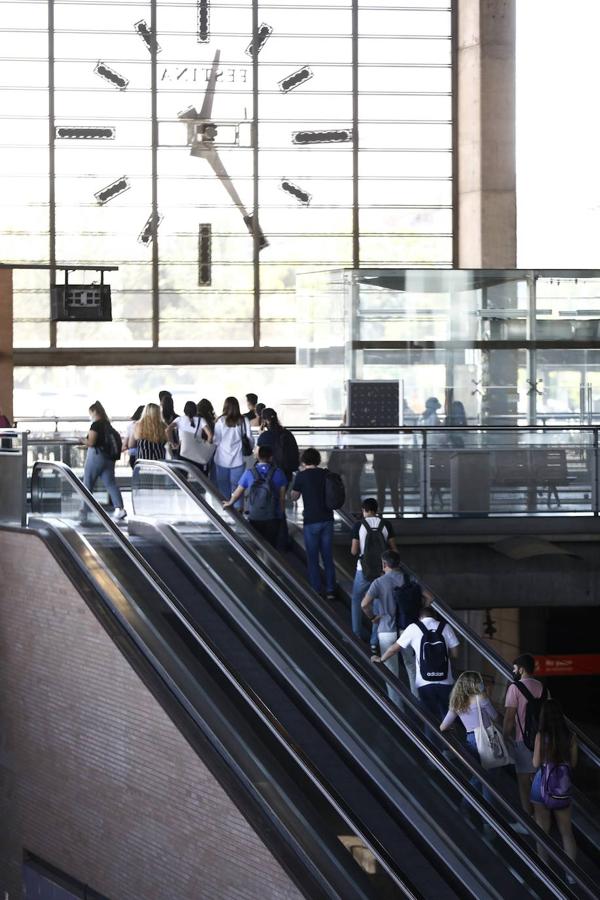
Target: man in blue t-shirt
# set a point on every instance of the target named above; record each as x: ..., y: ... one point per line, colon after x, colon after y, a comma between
x: 267, y: 523
x: 318, y: 521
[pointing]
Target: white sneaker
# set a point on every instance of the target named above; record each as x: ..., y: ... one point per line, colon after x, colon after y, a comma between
x: 520, y: 829
x: 119, y: 513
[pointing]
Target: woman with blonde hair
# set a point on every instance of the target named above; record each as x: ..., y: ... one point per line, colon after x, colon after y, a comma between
x: 151, y: 433
x: 467, y: 698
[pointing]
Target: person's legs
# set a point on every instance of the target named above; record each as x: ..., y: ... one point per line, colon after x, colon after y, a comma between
x: 380, y: 481
x: 107, y: 475
x: 91, y: 469
x: 268, y: 529
x: 525, y: 772
x: 565, y: 827
x: 543, y: 817
x: 410, y: 664
x: 234, y: 475
x: 386, y: 639
x: 326, y: 550
x: 221, y: 479
x: 359, y: 589
x: 434, y: 698
x: 311, y: 544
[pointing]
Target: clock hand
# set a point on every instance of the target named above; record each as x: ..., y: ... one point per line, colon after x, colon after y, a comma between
x: 209, y: 94
x: 212, y: 157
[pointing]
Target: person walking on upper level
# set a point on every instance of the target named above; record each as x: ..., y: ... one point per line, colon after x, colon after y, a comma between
x: 194, y: 435
x: 522, y: 710
x: 130, y: 443
x: 103, y: 451
x: 309, y: 484
x: 234, y: 441
x: 371, y: 536
x: 151, y: 434
x: 252, y: 415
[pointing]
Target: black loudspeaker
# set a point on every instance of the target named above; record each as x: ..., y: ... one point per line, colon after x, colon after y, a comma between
x: 80, y: 303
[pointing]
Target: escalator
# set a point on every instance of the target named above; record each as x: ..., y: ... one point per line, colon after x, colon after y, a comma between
x: 181, y: 526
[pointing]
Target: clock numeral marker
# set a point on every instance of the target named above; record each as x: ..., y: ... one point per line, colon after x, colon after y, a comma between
x: 294, y: 80
x: 290, y: 188
x: 205, y: 255
x: 254, y: 228
x: 203, y: 21
x: 77, y: 132
x: 146, y: 35
x: 331, y: 136
x: 112, y: 190
x: 145, y: 236
x: 264, y: 33
x: 104, y: 71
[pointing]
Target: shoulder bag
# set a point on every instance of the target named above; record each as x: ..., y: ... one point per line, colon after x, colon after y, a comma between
x: 490, y: 744
x: 195, y: 448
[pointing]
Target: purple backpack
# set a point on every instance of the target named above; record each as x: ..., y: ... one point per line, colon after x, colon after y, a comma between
x: 555, y: 785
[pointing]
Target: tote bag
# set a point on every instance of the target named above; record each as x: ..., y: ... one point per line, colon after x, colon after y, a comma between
x: 194, y: 447
x: 490, y: 744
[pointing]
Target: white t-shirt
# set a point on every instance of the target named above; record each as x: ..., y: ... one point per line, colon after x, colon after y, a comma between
x: 228, y: 440
x: 182, y: 423
x: 373, y: 521
x: 411, y: 637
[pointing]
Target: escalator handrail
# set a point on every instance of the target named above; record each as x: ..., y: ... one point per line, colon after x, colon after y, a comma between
x: 461, y: 784
x: 471, y: 637
x: 133, y: 555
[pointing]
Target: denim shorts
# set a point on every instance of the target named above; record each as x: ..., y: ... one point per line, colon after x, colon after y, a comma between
x: 523, y: 759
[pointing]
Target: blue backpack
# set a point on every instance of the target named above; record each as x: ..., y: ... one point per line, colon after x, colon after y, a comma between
x: 261, y: 499
x: 555, y: 785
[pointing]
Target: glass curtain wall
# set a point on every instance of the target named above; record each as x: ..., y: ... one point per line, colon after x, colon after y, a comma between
x: 248, y: 141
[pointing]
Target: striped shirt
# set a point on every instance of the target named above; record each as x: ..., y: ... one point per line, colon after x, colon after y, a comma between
x: 150, y: 449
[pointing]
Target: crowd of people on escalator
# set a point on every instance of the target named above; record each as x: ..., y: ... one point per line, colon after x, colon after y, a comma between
x: 255, y: 464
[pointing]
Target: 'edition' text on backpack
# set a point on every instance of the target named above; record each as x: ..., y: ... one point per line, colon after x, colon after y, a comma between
x: 261, y: 500
x: 335, y: 492
x: 533, y: 709
x: 433, y: 657
x: 375, y: 544
x: 555, y: 785
x: 112, y: 445
x: 409, y: 600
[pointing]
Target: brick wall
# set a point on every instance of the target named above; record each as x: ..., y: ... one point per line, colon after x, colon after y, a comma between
x: 94, y: 777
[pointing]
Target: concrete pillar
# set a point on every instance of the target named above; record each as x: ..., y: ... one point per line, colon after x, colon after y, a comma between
x: 485, y: 189
x: 6, y: 341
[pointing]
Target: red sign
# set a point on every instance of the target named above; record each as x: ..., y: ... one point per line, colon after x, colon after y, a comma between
x: 576, y: 664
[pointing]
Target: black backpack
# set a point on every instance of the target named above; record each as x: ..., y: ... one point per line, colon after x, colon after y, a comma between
x: 375, y: 544
x: 335, y: 492
x: 261, y: 499
x: 533, y: 709
x: 285, y: 452
x: 433, y: 657
x: 409, y: 600
x: 112, y: 445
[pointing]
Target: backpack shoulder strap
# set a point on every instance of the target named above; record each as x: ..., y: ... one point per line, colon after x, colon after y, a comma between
x: 256, y: 473
x: 367, y: 526
x: 380, y: 526
x: 420, y: 625
x: 270, y: 475
x: 525, y: 691
x: 440, y: 628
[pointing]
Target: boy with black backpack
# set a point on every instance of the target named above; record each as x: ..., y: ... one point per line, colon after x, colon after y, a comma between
x: 371, y: 537
x: 395, y: 599
x: 265, y: 485
x: 434, y: 644
x: 522, y: 708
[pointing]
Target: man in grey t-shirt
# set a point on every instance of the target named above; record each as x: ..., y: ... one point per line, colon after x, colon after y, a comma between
x: 380, y: 605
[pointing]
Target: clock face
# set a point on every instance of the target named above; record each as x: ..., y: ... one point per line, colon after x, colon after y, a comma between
x: 247, y: 197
